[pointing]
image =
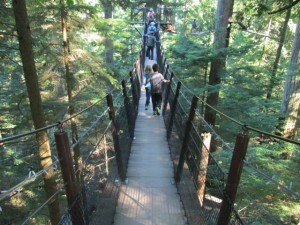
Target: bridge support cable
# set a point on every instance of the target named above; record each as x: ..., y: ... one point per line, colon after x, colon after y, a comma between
x: 115, y: 131
x: 98, y: 153
x: 234, y: 176
x: 186, y: 139
x: 207, y: 176
x: 71, y: 185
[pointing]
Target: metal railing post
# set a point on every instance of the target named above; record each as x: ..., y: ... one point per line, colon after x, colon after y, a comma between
x: 173, y: 110
x: 127, y: 108
x: 166, y: 97
x: 141, y: 66
x: 186, y: 139
x: 115, y: 136
x: 134, y: 92
x: 68, y: 173
x: 144, y: 48
x: 138, y: 87
x: 234, y: 176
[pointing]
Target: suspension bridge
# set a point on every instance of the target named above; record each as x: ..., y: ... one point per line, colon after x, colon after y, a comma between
x: 135, y: 167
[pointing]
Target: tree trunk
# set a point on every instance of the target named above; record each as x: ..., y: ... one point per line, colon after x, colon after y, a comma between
x: 70, y: 86
x: 291, y: 94
x: 221, y: 38
x: 278, y: 52
x: 30, y: 73
x: 108, y: 43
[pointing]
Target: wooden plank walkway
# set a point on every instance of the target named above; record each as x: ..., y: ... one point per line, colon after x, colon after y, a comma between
x: 150, y: 197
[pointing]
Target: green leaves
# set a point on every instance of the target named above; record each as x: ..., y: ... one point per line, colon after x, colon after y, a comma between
x: 70, y: 2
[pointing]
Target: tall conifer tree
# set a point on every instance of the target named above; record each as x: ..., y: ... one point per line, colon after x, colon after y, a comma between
x: 31, y: 78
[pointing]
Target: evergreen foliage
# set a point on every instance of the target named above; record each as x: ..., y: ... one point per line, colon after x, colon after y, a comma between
x: 243, y: 97
x: 243, y: 88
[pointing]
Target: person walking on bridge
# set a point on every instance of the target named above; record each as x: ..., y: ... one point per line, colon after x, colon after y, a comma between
x: 151, y: 40
x: 157, y: 79
x: 151, y: 15
x: 147, y: 84
x: 151, y: 27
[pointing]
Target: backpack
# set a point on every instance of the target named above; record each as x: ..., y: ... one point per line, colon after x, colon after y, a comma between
x: 152, y: 28
x: 150, y: 40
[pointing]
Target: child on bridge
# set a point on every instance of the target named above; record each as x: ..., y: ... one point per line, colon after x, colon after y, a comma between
x: 157, y: 80
x: 147, y: 85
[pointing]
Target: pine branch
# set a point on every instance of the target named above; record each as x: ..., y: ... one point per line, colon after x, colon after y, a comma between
x: 285, y: 7
x: 245, y: 28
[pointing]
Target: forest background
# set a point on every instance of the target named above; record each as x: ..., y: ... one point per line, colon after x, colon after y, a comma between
x: 102, y: 45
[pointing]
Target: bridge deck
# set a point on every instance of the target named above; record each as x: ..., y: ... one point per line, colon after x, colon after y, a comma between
x: 150, y: 196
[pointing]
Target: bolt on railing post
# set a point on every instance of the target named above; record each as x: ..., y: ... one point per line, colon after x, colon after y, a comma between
x: 173, y: 110
x: 167, y: 93
x: 206, y: 139
x: 127, y: 108
x: 115, y: 136
x: 68, y: 173
x: 186, y: 139
x: 234, y: 176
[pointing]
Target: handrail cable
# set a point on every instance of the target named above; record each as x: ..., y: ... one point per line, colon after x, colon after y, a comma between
x: 27, y: 181
x: 80, y: 112
x: 96, y: 145
x: 50, y: 126
x: 237, y: 122
x: 214, y: 133
x: 119, y: 94
x: 183, y: 85
x: 248, y: 164
x: 28, y: 133
x: 89, y: 129
x: 251, y: 128
x: 250, y: 197
x: 42, y: 206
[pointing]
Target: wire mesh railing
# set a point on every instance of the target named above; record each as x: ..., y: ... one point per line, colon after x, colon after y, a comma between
x: 206, y: 174
x: 210, y: 170
x: 105, y: 134
x: 78, y: 188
